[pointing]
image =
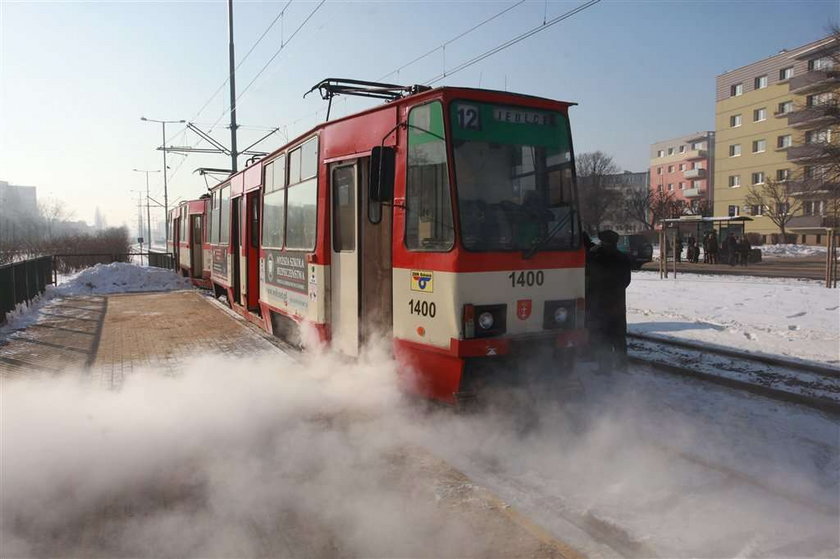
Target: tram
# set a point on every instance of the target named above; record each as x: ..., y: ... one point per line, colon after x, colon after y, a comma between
x: 188, y: 241
x: 444, y: 221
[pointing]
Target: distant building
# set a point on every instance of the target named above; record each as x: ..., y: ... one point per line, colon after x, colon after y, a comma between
x: 685, y: 166
x: 624, y: 183
x: 771, y: 119
x: 17, y: 200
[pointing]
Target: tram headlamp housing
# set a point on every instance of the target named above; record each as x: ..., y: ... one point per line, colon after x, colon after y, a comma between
x: 485, y: 320
x: 560, y: 315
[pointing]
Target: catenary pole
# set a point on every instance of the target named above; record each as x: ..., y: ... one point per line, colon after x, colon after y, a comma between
x: 233, y: 152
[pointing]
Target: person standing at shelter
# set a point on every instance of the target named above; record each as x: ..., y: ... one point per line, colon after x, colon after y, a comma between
x: 706, y: 238
x: 731, y: 248
x: 609, y: 276
x: 744, y: 248
x: 713, y: 248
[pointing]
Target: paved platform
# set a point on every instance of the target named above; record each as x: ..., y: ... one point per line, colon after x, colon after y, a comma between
x: 799, y: 268
x: 109, y: 337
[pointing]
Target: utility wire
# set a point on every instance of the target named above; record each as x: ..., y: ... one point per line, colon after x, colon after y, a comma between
x: 247, y: 54
x: 453, y: 39
x: 511, y: 42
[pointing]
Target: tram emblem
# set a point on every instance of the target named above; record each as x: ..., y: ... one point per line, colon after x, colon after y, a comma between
x: 523, y: 309
x: 422, y: 281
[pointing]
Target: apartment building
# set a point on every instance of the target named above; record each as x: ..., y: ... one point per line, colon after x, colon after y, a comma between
x: 770, y: 121
x: 684, y: 166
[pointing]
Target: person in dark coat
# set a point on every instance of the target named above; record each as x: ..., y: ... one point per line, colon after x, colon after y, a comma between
x: 609, y: 276
x: 713, y: 248
x: 744, y: 248
x: 732, y: 248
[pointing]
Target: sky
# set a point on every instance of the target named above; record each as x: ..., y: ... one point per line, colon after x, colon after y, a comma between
x: 75, y: 77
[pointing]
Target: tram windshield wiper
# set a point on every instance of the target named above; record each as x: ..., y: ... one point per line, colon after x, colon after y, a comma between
x: 539, y: 243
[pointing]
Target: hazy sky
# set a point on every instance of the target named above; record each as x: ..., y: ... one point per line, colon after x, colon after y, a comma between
x: 75, y: 77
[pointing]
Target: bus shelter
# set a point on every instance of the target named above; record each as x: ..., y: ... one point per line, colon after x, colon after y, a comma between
x: 674, y: 231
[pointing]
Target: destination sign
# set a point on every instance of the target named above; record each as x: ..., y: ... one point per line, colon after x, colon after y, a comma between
x: 515, y: 116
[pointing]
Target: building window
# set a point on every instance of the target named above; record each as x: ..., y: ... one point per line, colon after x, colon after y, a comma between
x: 759, y: 146
x: 758, y: 177
x: 670, y: 151
x: 670, y: 168
x: 784, y: 141
x: 670, y: 187
x: 659, y: 170
x: 822, y: 63
x: 734, y: 150
x: 785, y: 107
x: 757, y: 210
x: 782, y: 174
x: 821, y: 99
x: 782, y: 208
x: 736, y: 89
x: 698, y: 145
x: 821, y: 136
x: 682, y: 186
x: 761, y: 82
x: 786, y: 73
x: 682, y: 149
x: 682, y: 166
x: 735, y: 121
x: 760, y: 114
x: 660, y: 153
x: 734, y: 181
x: 734, y: 211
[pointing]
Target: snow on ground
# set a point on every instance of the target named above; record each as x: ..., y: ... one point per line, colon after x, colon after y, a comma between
x: 772, y: 251
x: 777, y: 316
x: 100, y: 279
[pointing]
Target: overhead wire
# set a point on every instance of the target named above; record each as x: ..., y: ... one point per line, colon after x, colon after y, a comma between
x: 511, y: 42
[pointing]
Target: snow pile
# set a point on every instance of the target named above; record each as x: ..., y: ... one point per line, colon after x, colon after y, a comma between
x: 796, y: 318
x: 101, y: 279
x: 120, y: 277
x: 791, y: 251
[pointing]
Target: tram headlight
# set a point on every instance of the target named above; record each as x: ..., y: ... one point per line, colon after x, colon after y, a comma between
x: 485, y: 320
x: 560, y: 315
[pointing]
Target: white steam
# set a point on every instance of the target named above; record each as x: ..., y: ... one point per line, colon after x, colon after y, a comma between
x: 271, y: 456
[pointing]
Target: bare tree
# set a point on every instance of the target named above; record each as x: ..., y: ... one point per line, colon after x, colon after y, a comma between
x: 776, y: 200
x: 637, y: 204
x: 597, y: 199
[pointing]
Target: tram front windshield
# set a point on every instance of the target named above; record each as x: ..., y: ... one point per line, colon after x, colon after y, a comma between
x: 513, y: 175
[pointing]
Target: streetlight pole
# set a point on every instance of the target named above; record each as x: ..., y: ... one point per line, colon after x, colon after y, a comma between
x: 148, y: 211
x: 163, y: 147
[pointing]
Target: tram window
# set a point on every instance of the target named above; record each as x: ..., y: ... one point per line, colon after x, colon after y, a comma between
x: 224, y: 216
x: 428, y: 223
x: 344, y: 208
x: 309, y: 159
x: 301, y: 205
x: 214, y: 218
x: 274, y: 218
x: 294, y: 166
x: 275, y: 174
x: 184, y: 220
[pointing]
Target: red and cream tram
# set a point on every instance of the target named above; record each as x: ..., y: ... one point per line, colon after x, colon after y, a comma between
x: 444, y: 221
x: 188, y: 241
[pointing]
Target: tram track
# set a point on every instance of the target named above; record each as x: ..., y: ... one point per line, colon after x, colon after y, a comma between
x: 809, y: 384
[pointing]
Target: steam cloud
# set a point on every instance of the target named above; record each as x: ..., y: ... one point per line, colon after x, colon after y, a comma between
x: 270, y: 456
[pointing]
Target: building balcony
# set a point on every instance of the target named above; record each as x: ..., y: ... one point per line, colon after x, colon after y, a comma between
x: 813, y: 116
x: 694, y: 192
x: 811, y: 221
x: 695, y: 174
x: 814, y: 81
x: 695, y: 154
x: 808, y: 152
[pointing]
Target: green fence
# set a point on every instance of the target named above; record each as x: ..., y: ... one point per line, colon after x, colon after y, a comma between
x: 20, y: 282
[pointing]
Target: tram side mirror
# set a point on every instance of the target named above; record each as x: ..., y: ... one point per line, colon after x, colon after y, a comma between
x: 381, y: 184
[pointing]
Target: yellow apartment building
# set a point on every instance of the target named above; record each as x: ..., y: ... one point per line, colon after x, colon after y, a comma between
x: 769, y: 122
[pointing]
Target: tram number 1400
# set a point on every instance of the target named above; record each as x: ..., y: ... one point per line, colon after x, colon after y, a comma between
x: 526, y: 279
x: 423, y: 308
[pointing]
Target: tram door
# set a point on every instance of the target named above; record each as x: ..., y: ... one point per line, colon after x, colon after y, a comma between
x: 176, y: 242
x: 344, y: 266
x: 251, y: 281
x: 360, y: 271
x: 236, y: 242
x: 196, y: 249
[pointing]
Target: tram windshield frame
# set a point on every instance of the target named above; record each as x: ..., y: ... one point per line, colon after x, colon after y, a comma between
x: 514, y: 178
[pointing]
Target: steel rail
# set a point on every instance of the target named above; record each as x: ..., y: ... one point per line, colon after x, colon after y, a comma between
x: 821, y: 404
